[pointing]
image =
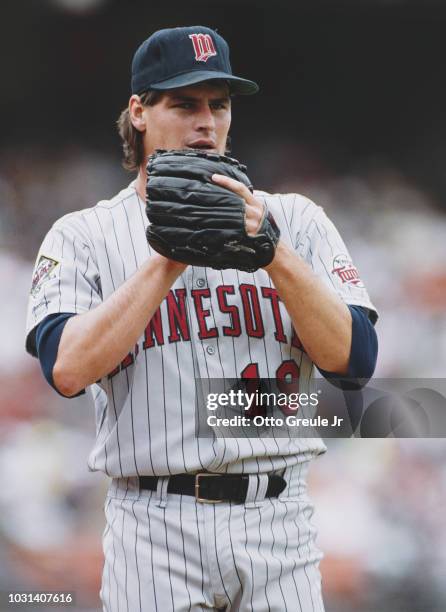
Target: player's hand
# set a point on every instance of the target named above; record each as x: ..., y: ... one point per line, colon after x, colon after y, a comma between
x: 254, y: 209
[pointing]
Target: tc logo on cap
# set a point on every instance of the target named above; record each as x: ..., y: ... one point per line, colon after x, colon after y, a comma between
x: 203, y: 46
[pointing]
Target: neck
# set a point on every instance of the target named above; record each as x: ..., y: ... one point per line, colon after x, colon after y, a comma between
x: 140, y: 184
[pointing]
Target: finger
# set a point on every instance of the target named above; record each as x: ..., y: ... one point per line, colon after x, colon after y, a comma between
x: 254, y: 210
x: 253, y: 220
x: 231, y: 184
x: 252, y: 227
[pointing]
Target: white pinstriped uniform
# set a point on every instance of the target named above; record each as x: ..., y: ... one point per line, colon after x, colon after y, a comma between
x: 161, y: 554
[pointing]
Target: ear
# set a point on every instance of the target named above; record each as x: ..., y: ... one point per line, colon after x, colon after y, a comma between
x: 136, y: 113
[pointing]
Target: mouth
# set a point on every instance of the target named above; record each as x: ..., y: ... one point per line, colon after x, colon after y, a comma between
x: 202, y: 144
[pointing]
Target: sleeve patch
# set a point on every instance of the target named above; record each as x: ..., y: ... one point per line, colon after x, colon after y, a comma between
x: 42, y: 273
x: 343, y: 267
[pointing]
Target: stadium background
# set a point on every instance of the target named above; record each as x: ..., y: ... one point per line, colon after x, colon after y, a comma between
x: 351, y: 113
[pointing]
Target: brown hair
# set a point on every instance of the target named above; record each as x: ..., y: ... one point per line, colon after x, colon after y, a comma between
x: 132, y: 139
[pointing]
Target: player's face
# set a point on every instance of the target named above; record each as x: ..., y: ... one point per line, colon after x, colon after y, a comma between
x: 197, y: 116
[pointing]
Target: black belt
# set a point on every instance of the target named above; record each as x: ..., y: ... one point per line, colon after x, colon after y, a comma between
x: 213, y: 488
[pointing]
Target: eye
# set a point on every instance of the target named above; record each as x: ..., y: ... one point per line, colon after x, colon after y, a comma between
x: 184, y: 105
x: 218, y: 105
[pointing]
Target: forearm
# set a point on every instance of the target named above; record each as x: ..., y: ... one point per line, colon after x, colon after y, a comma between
x: 93, y: 343
x: 321, y: 320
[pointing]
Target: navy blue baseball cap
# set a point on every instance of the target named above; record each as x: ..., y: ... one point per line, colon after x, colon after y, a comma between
x: 177, y: 57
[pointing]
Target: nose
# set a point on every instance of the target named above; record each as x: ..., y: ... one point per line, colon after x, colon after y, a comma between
x: 205, y: 120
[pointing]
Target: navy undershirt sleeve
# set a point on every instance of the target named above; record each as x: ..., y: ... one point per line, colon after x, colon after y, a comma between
x: 48, y: 335
x: 363, y: 352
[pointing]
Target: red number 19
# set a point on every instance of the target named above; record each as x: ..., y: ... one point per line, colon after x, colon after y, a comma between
x: 287, y: 380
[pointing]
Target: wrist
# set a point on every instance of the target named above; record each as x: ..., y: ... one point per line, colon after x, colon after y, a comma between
x: 165, y: 267
x: 281, y: 257
x: 170, y: 265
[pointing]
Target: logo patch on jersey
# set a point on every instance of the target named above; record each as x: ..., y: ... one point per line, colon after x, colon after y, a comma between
x: 42, y: 273
x: 344, y: 268
x: 204, y: 47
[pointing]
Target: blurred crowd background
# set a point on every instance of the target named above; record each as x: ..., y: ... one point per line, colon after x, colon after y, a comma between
x: 352, y: 114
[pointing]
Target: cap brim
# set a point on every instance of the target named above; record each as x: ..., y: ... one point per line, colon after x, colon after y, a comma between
x: 237, y: 85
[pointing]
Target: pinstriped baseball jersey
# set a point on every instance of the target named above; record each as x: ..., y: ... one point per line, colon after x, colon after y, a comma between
x: 212, y: 325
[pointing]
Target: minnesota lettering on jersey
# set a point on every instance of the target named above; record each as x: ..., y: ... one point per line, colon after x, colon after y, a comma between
x: 175, y: 327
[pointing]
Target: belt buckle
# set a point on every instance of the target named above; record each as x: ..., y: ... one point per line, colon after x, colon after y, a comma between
x: 197, y: 489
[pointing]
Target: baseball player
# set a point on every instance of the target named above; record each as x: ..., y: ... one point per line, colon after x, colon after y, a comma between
x: 188, y: 276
